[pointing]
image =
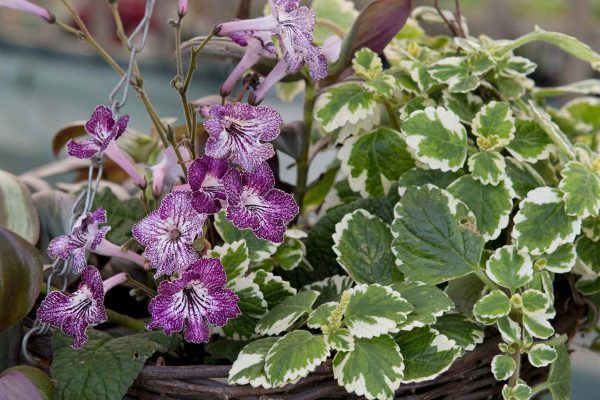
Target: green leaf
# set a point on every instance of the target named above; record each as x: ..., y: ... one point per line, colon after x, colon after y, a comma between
x: 523, y: 177
x: 465, y: 105
x: 340, y: 340
x: 494, y: 125
x: 374, y: 160
x: 503, y: 366
x: 362, y: 244
x: 348, y: 106
x: 510, y: 267
x: 568, y: 43
x: 330, y: 288
x: 429, y: 302
x: 21, y: 273
x: 534, y: 302
x: 17, y: 212
x: 488, y: 167
x: 460, y: 329
x: 465, y: 292
x: 513, y: 87
x: 586, y: 86
x: 426, y: 353
x: 273, y: 287
x: 436, y: 138
x: 339, y: 12
x: 429, y: 240
x: 492, y: 306
x: 559, y: 378
x: 374, y: 310
x: 541, y: 355
x: 367, y: 64
x: 291, y: 252
x: 105, y: 367
x: 234, y: 257
x: 253, y: 306
x: 320, y: 316
x: 510, y: 330
x: 544, y: 207
x: 491, y: 205
x: 521, y: 391
x: 583, y: 113
x: 248, y: 368
x: 591, y: 228
x: 373, y: 369
x: 538, y: 326
x: 287, y: 91
x: 531, y: 143
x: 419, y: 177
x: 552, y: 130
x: 221, y: 348
x: 516, y: 66
x: 258, y: 249
x: 581, y: 188
x: 294, y: 356
x: 454, y: 72
x: 121, y: 214
x: 561, y: 261
x: 588, y: 284
x: 286, y: 313
x: 588, y: 252
x: 25, y: 382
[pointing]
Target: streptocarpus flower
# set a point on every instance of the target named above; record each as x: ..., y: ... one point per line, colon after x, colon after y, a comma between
x: 169, y: 233
x: 193, y: 301
x: 258, y: 44
x: 166, y: 172
x: 86, y: 235
x: 237, y: 131
x: 73, y: 313
x: 24, y: 5
x: 182, y: 8
x: 205, y: 178
x: 103, y: 129
x: 253, y: 203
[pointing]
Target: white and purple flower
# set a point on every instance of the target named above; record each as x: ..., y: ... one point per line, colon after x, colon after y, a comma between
x: 236, y: 132
x: 205, y: 177
x: 193, y: 301
x: 169, y: 234
x: 167, y: 171
x: 253, y: 203
x: 86, y: 235
x: 73, y: 313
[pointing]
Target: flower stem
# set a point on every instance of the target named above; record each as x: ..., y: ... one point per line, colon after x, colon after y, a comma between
x: 139, y: 285
x: 115, y: 280
x: 125, y: 320
x: 302, y: 163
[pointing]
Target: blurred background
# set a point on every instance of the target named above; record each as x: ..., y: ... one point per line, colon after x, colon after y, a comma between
x: 48, y: 78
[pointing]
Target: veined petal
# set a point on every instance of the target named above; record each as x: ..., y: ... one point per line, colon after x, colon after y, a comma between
x: 62, y: 247
x: 101, y: 123
x: 146, y: 230
x: 169, y: 256
x: 167, y: 311
x: 84, y: 149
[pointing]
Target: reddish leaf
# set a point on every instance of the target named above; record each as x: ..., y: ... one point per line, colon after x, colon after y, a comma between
x: 68, y: 132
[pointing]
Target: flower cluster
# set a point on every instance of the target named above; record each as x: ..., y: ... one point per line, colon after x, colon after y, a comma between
x: 293, y: 25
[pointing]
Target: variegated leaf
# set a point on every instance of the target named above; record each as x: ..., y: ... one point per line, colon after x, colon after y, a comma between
x: 465, y: 105
x: 531, y: 143
x: 234, y: 257
x: 494, y: 126
x: 457, y: 327
x: 249, y: 367
x: 419, y: 177
x: 429, y: 302
x: 319, y: 317
x: 523, y: 177
x: 367, y: 64
x: 488, y: 167
x: 330, y: 288
x: 273, y: 287
x: 503, y: 366
x: 258, y: 249
x: 340, y: 340
x: 581, y: 188
x: 492, y: 306
x: 534, y: 302
x: 541, y: 355
x: 454, y: 72
x: 286, y: 313
x: 510, y: 267
x: 560, y: 261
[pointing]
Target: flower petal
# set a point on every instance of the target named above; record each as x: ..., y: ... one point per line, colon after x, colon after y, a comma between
x: 84, y: 149
x: 167, y: 311
x: 101, y: 123
x: 149, y: 228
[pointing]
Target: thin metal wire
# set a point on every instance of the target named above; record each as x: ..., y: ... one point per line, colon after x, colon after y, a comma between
x: 61, y: 268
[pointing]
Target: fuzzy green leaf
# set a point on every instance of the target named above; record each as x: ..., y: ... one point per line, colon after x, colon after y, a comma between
x: 286, y: 313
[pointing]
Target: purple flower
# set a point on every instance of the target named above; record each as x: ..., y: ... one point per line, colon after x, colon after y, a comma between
x: 253, y: 203
x: 258, y: 44
x: 73, y: 313
x: 205, y: 177
x: 23, y: 5
x: 194, y: 300
x: 182, y: 8
x: 103, y: 129
x: 86, y: 235
x: 169, y: 233
x: 167, y: 171
x: 236, y: 130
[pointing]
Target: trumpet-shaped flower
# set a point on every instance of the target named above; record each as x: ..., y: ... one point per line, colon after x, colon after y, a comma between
x: 236, y: 132
x: 193, y: 301
x: 205, y: 177
x: 73, y: 313
x: 167, y: 171
x: 253, y: 203
x: 169, y: 233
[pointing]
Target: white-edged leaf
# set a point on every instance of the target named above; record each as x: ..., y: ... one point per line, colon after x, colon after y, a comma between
x: 291, y: 252
x: 320, y: 315
x: 521, y: 391
x: 367, y: 64
x: 294, y: 356
x: 531, y: 143
x: 586, y: 86
x: 374, y: 160
x: 510, y: 267
x: 248, y: 368
x: 273, y: 287
x: 457, y: 327
x: 588, y: 253
x: 465, y: 105
x: 429, y: 302
x: 234, y: 257
x: 340, y: 340
x: 534, y: 302
x: 373, y: 369
x: 419, y: 177
x: 426, y: 353
x: 523, y: 177
x: 492, y: 306
x: 544, y: 207
x: 363, y: 248
x: 436, y: 138
x: 330, y: 288
x: 591, y: 228
x: 561, y: 261
x: 516, y: 66
x: 503, y: 366
x: 286, y: 313
x: 581, y: 188
x: 491, y: 205
x: 258, y: 249
x: 454, y: 72
x: 510, y: 330
x: 374, y: 310
x: 541, y: 355
x: 538, y: 325
x: 433, y: 236
x: 488, y: 167
x: 494, y: 125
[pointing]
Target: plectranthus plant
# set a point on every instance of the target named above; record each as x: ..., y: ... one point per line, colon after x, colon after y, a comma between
x: 458, y: 204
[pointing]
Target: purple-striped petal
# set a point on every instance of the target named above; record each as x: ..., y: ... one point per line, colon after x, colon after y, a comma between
x: 83, y: 149
x: 205, y: 177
